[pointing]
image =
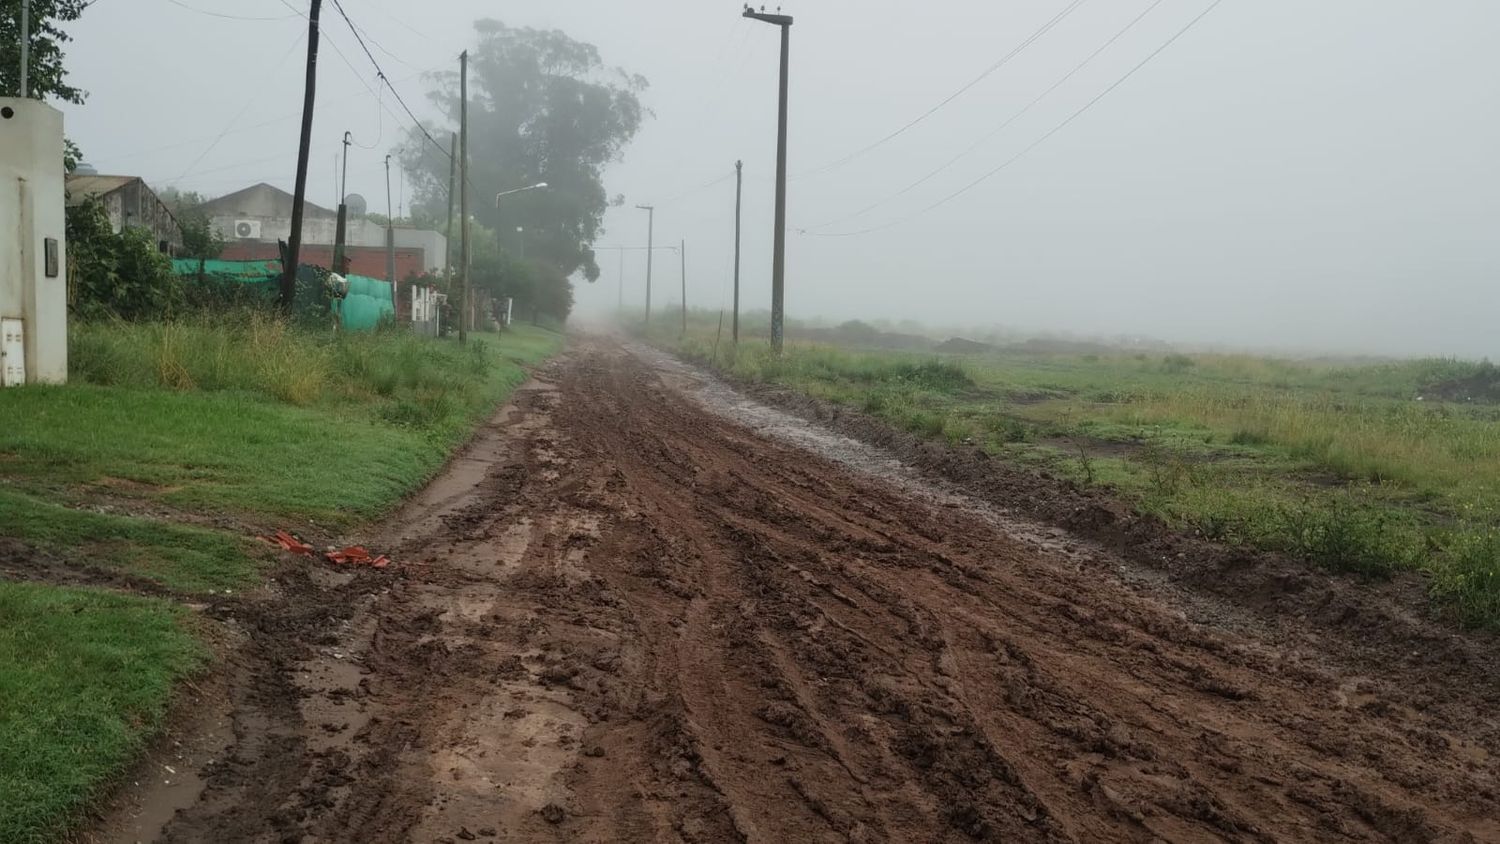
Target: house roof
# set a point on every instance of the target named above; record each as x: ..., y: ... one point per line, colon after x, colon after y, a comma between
x: 82, y: 186
x: 268, y: 196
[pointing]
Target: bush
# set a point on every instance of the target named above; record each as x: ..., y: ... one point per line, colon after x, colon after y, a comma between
x: 117, y: 275
x: 1177, y: 364
x: 1468, y: 575
x: 1008, y: 429
x: 1347, y: 537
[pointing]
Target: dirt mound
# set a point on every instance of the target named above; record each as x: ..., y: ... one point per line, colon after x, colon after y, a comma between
x: 859, y: 335
x: 960, y: 346
x: 1482, y: 386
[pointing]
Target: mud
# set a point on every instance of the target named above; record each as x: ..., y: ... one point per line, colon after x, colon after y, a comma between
x: 626, y: 614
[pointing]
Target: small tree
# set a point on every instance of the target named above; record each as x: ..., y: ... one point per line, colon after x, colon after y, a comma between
x: 121, y: 275
x: 199, y: 238
x: 47, y: 77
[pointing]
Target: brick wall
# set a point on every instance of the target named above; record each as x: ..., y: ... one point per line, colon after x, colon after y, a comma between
x: 363, y: 260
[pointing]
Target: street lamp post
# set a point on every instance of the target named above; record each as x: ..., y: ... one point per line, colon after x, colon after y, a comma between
x: 519, y: 230
x: 778, y: 258
x: 537, y: 186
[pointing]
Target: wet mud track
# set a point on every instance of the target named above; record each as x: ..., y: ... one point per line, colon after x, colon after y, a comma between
x: 628, y: 618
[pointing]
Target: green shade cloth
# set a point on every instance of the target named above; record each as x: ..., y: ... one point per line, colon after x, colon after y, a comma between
x: 369, y: 301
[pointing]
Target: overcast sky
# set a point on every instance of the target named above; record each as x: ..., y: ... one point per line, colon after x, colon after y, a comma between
x: 1314, y: 175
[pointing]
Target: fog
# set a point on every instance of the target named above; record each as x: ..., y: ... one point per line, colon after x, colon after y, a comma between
x: 1306, y: 176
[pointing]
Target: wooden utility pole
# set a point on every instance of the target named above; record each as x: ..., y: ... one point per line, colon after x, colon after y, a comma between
x: 299, y: 190
x: 650, y: 238
x: 682, y: 253
x: 739, y: 187
x: 390, y: 232
x: 463, y: 192
x: 778, y: 255
x: 448, y: 232
x: 341, y: 233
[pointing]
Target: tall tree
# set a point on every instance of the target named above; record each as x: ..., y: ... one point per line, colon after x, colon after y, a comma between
x: 544, y: 108
x: 199, y: 237
x: 47, y: 76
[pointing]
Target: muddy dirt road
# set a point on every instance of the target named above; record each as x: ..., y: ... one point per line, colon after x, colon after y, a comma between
x: 633, y: 619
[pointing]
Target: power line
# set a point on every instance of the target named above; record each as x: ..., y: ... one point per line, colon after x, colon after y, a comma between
x: 214, y: 14
x: 241, y: 113
x: 1038, y: 142
x: 253, y: 126
x: 1046, y: 27
x: 366, y: 33
x: 1001, y: 128
x: 379, y: 125
x: 336, y: 50
x: 690, y: 191
x: 381, y: 75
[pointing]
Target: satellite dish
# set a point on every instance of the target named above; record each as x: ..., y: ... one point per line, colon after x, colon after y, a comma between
x: 357, y: 205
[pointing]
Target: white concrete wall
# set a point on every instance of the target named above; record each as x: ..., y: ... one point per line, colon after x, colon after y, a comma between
x: 362, y: 232
x: 321, y: 231
x: 315, y: 230
x: 31, y: 211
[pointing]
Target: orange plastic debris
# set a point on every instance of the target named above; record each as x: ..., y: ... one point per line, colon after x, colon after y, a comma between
x: 289, y: 542
x: 357, y: 555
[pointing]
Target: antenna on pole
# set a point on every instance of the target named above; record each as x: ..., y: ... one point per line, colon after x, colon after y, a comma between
x: 25, y: 48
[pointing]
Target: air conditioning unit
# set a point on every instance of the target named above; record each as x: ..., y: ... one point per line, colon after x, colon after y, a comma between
x: 247, y: 229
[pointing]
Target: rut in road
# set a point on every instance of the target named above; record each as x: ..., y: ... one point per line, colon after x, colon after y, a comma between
x: 643, y: 623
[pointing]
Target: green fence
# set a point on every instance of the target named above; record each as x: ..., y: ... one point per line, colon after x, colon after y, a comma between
x: 369, y: 301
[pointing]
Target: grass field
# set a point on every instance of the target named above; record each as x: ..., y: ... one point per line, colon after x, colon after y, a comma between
x: 172, y: 447
x: 1347, y: 465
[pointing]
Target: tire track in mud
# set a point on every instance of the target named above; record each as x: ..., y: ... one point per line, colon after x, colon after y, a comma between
x: 634, y: 621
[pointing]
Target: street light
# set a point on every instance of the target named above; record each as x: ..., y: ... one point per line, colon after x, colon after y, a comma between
x: 778, y: 255
x: 537, y: 186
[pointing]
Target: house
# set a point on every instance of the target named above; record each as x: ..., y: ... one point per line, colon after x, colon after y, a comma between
x: 129, y: 202
x: 254, y: 220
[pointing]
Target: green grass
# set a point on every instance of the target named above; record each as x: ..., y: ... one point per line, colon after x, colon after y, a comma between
x: 214, y: 420
x: 239, y: 421
x: 85, y: 677
x: 181, y: 557
x: 1336, y: 462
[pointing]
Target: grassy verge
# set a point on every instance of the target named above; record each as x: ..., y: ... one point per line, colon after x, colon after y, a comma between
x: 85, y: 676
x: 173, y: 444
x: 1339, y: 464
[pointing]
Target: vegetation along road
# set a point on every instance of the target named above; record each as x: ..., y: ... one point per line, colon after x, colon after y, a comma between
x: 642, y: 606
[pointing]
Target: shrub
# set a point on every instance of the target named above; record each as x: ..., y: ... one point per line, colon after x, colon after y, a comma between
x: 1177, y: 363
x: 1467, y: 575
x: 938, y: 375
x: 117, y: 275
x: 1008, y: 429
x: 1347, y: 537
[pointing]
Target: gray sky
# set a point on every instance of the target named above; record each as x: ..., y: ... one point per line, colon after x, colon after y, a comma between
x: 1311, y: 175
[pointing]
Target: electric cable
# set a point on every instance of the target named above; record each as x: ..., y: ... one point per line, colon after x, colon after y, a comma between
x: 1006, y: 59
x: 1001, y: 128
x: 1038, y: 142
